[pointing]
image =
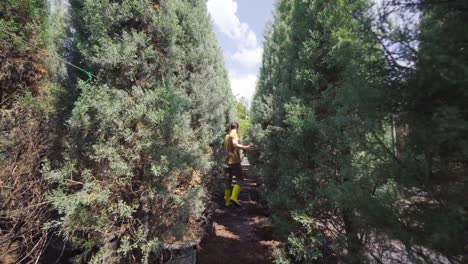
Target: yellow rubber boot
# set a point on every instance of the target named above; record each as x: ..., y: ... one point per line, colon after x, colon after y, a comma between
x: 227, y: 197
x: 235, y: 194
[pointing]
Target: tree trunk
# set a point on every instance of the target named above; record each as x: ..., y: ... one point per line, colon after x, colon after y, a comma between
x: 352, y: 239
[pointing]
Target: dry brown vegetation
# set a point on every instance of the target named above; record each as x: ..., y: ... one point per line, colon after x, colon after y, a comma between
x: 24, y: 139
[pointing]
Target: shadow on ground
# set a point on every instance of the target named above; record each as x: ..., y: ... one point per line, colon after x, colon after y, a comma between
x: 240, y: 235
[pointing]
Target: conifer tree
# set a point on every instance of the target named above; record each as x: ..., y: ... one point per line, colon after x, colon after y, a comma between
x: 141, y: 136
x: 243, y: 117
x: 312, y: 63
x: 322, y: 120
x: 431, y: 109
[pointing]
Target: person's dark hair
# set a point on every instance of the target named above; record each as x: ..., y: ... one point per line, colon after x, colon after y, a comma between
x: 234, y: 125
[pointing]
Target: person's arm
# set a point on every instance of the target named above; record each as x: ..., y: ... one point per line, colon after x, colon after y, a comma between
x: 236, y: 144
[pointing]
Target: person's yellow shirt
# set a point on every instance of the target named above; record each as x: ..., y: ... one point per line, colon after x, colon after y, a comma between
x: 232, y: 152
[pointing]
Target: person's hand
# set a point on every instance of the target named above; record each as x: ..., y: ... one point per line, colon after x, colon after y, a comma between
x: 250, y: 148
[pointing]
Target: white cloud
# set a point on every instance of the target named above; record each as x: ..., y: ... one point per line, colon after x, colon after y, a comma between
x: 225, y: 18
x: 243, y: 85
x: 248, y: 57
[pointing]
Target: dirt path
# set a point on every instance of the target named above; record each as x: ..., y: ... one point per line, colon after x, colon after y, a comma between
x: 240, y: 235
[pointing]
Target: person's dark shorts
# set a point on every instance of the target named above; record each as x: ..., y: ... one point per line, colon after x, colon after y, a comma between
x: 234, y: 170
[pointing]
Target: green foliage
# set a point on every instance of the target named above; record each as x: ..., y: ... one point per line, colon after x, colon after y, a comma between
x: 23, y: 67
x: 141, y: 137
x: 21, y: 16
x: 306, y: 244
x: 357, y: 152
x: 433, y: 106
x: 243, y: 117
x: 366, y: 150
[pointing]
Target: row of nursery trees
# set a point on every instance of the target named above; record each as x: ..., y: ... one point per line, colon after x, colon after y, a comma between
x: 110, y: 171
x: 362, y: 130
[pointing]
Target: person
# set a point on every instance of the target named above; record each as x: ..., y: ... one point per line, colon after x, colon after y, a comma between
x: 232, y: 147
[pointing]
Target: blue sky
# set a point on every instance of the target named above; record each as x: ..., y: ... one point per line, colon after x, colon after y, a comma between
x: 239, y: 26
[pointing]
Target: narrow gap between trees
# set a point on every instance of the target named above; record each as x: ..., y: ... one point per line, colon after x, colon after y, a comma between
x: 240, y: 234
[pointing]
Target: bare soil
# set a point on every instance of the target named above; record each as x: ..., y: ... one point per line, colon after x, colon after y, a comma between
x: 240, y: 234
